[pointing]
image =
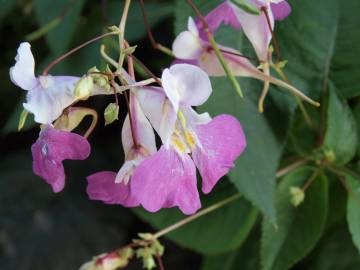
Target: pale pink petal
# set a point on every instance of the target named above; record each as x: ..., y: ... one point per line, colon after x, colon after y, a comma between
x: 256, y: 29
x: 22, y: 73
x: 281, y: 10
x: 193, y: 118
x: 143, y: 132
x: 223, y: 13
x: 166, y: 180
x: 190, y: 83
x: 186, y: 46
x: 222, y: 141
x: 51, y: 148
x: 50, y: 97
x: 158, y: 109
x: 102, y: 187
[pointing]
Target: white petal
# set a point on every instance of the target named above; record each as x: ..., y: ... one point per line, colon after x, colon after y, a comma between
x: 192, y: 26
x: 256, y: 29
x: 52, y: 95
x: 192, y: 84
x: 22, y: 73
x: 169, y: 83
x: 159, y: 110
x: 187, y: 46
x: 193, y: 118
x: 144, y: 133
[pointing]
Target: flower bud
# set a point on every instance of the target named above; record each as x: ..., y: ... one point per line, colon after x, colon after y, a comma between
x: 111, y: 113
x: 297, y: 196
x: 84, y: 87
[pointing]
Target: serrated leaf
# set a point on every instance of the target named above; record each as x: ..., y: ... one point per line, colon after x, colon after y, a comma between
x: 219, y: 231
x: 299, y: 228
x: 353, y: 209
x: 341, y: 134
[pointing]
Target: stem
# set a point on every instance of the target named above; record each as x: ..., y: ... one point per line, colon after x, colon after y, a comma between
x: 93, y: 123
x: 298, y: 100
x: 276, y: 44
x: 291, y: 167
x: 241, y: 55
x: 157, y: 80
x: 160, y: 262
x: 217, y: 50
x: 265, y: 90
x: 311, y: 179
x: 153, y: 42
x: 107, y: 57
x: 122, y: 33
x: 59, y: 59
x: 197, y: 215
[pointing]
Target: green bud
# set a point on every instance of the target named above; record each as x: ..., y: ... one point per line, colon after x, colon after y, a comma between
x: 297, y: 196
x: 22, y: 119
x: 130, y: 50
x: 111, y: 113
x: 84, y: 87
x: 72, y: 117
x: 282, y: 64
x: 329, y: 155
x: 246, y: 6
x: 147, y: 257
x: 114, y: 29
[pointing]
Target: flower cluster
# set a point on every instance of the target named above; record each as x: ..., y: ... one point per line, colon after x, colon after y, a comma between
x: 152, y: 176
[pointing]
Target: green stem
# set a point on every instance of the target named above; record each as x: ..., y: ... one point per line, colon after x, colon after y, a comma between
x: 218, y: 53
x: 122, y: 34
x: 197, y: 215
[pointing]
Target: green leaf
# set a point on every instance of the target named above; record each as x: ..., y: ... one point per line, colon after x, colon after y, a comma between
x: 341, y: 137
x: 246, y: 6
x: 219, y: 231
x: 320, y: 45
x: 299, y: 228
x: 353, y: 209
x: 68, y: 11
x: 356, y: 113
x: 254, y: 171
x: 6, y: 7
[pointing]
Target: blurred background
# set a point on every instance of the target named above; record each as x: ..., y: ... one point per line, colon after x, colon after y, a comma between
x: 42, y: 230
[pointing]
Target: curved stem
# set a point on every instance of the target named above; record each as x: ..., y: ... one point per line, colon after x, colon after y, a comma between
x: 59, y: 59
x: 93, y: 123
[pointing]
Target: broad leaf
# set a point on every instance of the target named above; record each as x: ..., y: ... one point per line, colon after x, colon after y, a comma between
x: 68, y: 11
x: 356, y: 112
x: 341, y: 134
x: 353, y: 209
x: 320, y: 45
x: 219, y: 231
x: 299, y: 228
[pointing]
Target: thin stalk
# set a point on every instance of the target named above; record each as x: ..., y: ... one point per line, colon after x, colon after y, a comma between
x: 276, y: 44
x: 298, y: 100
x: 197, y: 215
x: 107, y: 57
x: 122, y: 25
x: 218, y: 53
x: 160, y: 262
x: 311, y: 179
x: 291, y: 167
x: 153, y: 42
x: 93, y: 123
x: 62, y: 57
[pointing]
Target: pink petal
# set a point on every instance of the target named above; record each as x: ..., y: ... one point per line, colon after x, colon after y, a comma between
x: 51, y: 148
x: 256, y: 29
x: 223, y: 13
x: 166, y: 180
x: 102, y: 187
x: 281, y: 10
x: 222, y: 142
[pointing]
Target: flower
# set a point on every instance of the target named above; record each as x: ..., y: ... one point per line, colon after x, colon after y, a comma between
x: 51, y: 148
x: 255, y: 27
x: 48, y: 95
x: 168, y: 177
x: 138, y: 141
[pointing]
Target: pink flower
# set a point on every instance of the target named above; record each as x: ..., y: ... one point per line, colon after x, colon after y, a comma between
x: 255, y: 27
x: 168, y: 178
x: 138, y: 141
x: 51, y: 148
x: 47, y: 96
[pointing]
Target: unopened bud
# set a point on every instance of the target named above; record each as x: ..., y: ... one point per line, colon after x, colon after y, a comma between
x: 84, y: 87
x: 329, y: 155
x: 297, y: 196
x: 72, y: 117
x: 111, y: 113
